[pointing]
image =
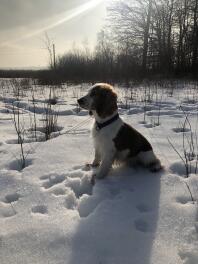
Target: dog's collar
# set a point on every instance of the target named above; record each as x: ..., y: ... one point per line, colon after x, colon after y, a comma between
x: 108, y: 122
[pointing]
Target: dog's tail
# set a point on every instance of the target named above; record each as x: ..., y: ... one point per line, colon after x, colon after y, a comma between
x: 149, y: 160
x: 155, y: 166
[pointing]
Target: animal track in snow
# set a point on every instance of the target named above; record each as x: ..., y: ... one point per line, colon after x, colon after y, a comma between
x: 79, y: 186
x: 148, y: 125
x: 183, y: 200
x: 104, y: 193
x: 196, y: 226
x: 39, y: 209
x: 179, y: 168
x: 44, y: 177
x: 178, y: 115
x: 189, y: 256
x: 13, y: 197
x: 85, y: 167
x: 17, y: 165
x: 143, y: 208
x: 7, y: 212
x: 141, y: 225
x: 52, y: 180
x: 73, y: 185
x: 181, y: 129
x: 88, y: 204
x: 70, y: 200
x: 58, y: 191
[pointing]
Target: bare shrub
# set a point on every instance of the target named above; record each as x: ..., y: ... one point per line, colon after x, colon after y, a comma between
x: 17, y: 121
x: 34, y: 121
x: 50, y: 120
x: 189, y: 152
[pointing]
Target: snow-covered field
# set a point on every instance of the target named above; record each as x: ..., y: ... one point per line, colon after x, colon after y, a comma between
x: 49, y: 211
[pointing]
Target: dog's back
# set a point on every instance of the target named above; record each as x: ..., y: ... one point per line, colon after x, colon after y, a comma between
x: 135, y: 146
x: 131, y: 139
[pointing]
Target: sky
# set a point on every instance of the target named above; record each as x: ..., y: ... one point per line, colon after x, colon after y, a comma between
x: 68, y: 23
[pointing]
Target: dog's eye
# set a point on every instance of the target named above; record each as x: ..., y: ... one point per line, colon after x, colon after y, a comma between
x: 93, y: 93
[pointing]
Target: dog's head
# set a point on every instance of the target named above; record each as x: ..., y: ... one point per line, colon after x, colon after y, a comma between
x: 101, y: 98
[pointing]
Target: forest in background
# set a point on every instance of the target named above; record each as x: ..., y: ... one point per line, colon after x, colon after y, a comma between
x: 141, y: 38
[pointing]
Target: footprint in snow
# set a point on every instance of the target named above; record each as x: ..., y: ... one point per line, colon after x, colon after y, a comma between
x: 143, y: 208
x: 39, y: 209
x: 51, y: 180
x: 196, y: 226
x: 86, y: 167
x: 8, y: 209
x: 58, y: 191
x: 10, y: 198
x: 148, y: 125
x: 183, y: 200
x: 107, y: 191
x: 79, y: 185
x: 71, y: 201
x: 181, y: 129
x: 75, y: 184
x: 7, y: 212
x: 142, y: 226
x: 44, y: 177
x: 189, y: 256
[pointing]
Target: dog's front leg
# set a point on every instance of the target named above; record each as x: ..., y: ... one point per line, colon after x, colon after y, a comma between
x: 97, y: 158
x: 105, y: 165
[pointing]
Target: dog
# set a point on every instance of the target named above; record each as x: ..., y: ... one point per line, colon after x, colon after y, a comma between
x: 114, y: 140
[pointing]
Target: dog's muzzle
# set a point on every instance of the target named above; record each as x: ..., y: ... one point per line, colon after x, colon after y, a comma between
x: 81, y: 101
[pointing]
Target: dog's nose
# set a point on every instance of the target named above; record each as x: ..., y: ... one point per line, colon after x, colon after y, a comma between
x: 80, y: 101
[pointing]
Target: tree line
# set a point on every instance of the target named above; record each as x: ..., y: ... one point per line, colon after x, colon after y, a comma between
x: 141, y: 38
x: 163, y: 33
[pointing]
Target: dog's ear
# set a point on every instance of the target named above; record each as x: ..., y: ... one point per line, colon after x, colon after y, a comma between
x: 106, y: 103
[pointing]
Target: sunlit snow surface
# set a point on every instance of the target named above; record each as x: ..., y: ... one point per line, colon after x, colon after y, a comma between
x: 49, y: 211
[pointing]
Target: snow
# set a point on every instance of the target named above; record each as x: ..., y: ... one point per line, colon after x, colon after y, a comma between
x: 49, y: 211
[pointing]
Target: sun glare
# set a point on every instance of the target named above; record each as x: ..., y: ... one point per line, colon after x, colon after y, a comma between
x: 65, y: 17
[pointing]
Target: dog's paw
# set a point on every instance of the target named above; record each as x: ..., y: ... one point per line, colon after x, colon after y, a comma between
x: 95, y: 164
x: 91, y: 165
x: 156, y: 166
x: 100, y: 175
x: 93, y: 179
x: 96, y: 176
x: 88, y: 166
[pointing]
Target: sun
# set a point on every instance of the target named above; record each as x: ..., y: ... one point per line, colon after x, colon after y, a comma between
x: 63, y: 18
x: 75, y: 13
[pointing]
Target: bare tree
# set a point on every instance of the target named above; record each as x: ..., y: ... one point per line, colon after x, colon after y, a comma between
x: 146, y: 29
x: 195, y: 36
x: 50, y: 47
x: 130, y: 22
x: 140, y: 37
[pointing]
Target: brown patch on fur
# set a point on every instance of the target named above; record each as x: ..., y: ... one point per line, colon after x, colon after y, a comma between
x: 104, y: 100
x: 131, y: 139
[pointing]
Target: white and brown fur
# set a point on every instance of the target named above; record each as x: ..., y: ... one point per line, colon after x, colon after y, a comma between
x: 117, y: 141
